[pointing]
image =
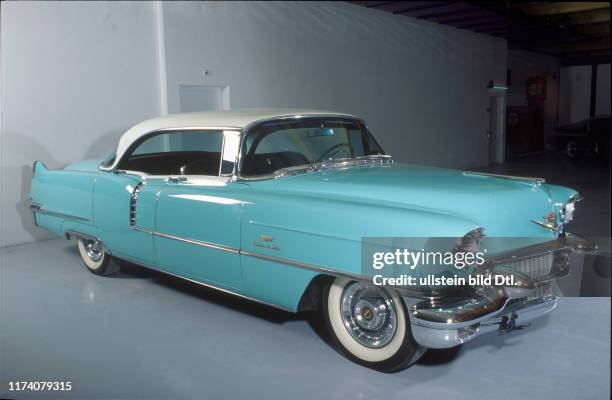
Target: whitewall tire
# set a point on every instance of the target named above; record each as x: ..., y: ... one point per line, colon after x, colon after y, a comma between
x: 370, y: 325
x: 95, y: 257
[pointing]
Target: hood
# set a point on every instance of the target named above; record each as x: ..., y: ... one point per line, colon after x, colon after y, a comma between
x: 503, y: 206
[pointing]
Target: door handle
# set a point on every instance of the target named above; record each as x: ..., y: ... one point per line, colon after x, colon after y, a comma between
x: 177, y: 179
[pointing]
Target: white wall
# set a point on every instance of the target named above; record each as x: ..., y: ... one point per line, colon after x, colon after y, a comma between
x: 74, y: 76
x: 602, y: 96
x: 420, y: 86
x: 574, y: 94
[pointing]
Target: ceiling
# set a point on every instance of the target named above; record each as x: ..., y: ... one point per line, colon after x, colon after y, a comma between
x: 577, y: 32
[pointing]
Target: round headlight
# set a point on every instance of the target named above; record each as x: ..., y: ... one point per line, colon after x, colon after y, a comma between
x: 567, y: 211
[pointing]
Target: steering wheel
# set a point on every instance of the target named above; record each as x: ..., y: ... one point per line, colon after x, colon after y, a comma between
x: 191, y: 167
x: 335, y: 149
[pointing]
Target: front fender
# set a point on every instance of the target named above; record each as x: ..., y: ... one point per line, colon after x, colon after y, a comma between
x: 559, y: 195
x: 288, y: 241
x: 328, y: 233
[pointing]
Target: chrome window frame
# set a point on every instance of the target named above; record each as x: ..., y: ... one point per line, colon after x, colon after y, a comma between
x: 237, y: 176
x: 224, y: 130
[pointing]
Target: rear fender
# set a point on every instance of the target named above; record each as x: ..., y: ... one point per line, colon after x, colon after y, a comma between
x: 59, y: 195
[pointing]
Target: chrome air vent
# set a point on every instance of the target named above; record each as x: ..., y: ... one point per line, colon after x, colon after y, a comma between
x: 133, y: 200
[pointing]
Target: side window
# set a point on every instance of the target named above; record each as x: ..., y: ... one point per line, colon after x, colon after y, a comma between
x: 177, y: 153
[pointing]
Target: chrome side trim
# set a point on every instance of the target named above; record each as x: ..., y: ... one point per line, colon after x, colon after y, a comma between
x: 193, y: 241
x: 536, y: 180
x: 307, y: 266
x: 215, y: 287
x: 38, y: 208
x: 372, y: 160
x: 572, y: 242
x: 416, y: 293
x: 246, y: 253
x: 137, y: 229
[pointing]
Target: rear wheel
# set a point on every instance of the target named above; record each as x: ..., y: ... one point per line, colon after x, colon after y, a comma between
x: 95, y: 257
x: 369, y: 325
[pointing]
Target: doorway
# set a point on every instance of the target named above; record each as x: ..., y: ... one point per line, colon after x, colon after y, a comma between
x: 203, y: 98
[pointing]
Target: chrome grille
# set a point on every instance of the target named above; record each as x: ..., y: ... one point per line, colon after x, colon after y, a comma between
x: 534, y: 267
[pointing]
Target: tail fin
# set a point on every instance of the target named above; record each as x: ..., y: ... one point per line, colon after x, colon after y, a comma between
x: 38, y: 170
x: 38, y: 167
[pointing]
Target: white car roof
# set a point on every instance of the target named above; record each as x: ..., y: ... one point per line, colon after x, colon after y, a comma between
x: 230, y: 119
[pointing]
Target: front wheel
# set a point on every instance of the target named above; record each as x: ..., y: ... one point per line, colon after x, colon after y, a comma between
x: 370, y: 325
x: 95, y: 257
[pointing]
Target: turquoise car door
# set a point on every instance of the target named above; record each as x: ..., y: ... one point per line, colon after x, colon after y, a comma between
x: 198, y: 230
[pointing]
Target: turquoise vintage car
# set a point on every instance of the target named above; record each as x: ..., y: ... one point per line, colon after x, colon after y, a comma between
x: 273, y: 205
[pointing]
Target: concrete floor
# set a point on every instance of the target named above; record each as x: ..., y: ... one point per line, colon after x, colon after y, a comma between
x: 142, y: 334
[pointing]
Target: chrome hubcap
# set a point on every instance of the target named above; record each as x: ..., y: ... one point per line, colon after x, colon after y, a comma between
x: 369, y: 314
x: 94, y: 250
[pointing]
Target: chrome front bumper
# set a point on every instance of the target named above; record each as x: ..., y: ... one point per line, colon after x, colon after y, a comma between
x: 512, y: 315
x: 439, y: 323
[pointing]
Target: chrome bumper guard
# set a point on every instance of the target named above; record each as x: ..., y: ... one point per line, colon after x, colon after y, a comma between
x: 439, y: 323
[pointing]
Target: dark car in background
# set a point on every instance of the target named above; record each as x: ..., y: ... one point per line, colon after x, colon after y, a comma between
x: 586, y: 138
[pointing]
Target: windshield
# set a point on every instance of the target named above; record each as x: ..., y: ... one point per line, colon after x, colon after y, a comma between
x: 276, y: 145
